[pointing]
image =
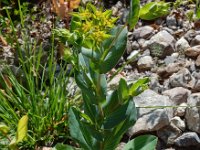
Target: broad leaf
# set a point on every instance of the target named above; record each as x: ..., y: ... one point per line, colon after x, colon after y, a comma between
x: 143, y: 142
x: 22, y: 128
x: 78, y: 131
x: 114, y: 48
x: 89, y: 108
x: 112, y: 103
x: 115, y: 118
x: 153, y: 10
x: 112, y: 139
x: 133, y: 13
x: 90, y: 53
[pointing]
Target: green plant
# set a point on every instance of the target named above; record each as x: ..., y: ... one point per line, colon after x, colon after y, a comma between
x: 104, y: 118
x: 37, y: 90
x: 153, y: 10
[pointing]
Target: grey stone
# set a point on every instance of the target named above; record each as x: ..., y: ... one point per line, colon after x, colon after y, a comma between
x: 161, y: 44
x: 195, y: 41
x: 178, y: 95
x: 166, y: 85
x: 169, y: 60
x: 143, y: 43
x: 182, y: 78
x: 197, y: 62
x: 193, y: 113
x: 187, y: 139
x: 154, y: 84
x: 190, y: 34
x: 128, y: 47
x: 193, y: 51
x: 169, y: 133
x: 135, y: 45
x: 171, y: 22
x: 170, y: 31
x: 180, y: 111
x: 197, y: 86
x: 196, y: 75
x: 170, y: 69
x: 181, y: 45
x: 192, y: 66
x: 119, y: 5
x: 145, y: 63
x: 143, y: 32
x: 178, y: 122
x: 151, y: 119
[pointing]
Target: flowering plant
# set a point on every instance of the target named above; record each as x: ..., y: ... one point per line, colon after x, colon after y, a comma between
x: 96, y: 45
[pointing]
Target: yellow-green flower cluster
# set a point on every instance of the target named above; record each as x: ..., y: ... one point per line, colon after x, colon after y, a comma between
x: 94, y: 24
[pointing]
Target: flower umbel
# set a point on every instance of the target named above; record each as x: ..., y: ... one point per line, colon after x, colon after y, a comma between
x: 94, y: 25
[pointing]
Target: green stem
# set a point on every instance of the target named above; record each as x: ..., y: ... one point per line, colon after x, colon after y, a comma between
x: 21, y: 14
x: 98, y: 91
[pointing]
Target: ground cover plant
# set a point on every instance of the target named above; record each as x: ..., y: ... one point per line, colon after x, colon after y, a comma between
x: 36, y: 108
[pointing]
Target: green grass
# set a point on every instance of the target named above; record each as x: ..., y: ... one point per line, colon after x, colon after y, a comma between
x: 38, y: 90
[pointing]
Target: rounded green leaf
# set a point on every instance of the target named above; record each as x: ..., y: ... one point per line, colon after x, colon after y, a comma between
x: 143, y: 142
x: 133, y: 13
x: 114, y: 49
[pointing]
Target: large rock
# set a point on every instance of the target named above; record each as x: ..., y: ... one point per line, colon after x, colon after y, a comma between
x: 178, y: 95
x: 161, y: 44
x: 143, y: 32
x: 193, y: 113
x: 151, y: 119
x: 182, y: 78
x: 187, y: 139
